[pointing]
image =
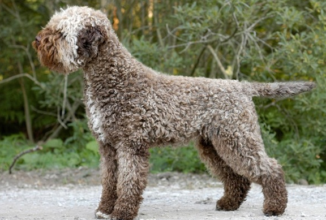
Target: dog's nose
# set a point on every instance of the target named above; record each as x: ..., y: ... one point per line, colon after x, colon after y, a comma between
x: 37, y: 41
x: 38, y: 38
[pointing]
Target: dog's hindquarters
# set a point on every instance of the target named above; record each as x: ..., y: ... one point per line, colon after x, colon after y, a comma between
x: 240, y: 153
x: 236, y: 186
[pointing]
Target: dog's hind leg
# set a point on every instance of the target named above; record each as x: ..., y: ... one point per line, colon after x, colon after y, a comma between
x: 133, y: 167
x: 243, y: 150
x: 109, y: 181
x: 236, y: 187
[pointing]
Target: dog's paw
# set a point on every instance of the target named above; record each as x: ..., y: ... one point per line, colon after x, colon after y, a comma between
x: 271, y: 213
x: 225, y: 204
x: 101, y: 215
x: 274, y: 208
x: 275, y: 212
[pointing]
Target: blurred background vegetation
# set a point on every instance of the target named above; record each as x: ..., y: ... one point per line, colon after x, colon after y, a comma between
x: 252, y: 40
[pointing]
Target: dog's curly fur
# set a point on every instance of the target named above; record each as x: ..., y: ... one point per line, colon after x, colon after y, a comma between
x: 132, y: 108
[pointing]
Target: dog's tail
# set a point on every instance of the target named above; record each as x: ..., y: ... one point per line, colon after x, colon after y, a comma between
x: 280, y: 89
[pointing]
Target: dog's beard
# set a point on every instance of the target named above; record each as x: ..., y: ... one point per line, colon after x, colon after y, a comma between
x: 52, y: 50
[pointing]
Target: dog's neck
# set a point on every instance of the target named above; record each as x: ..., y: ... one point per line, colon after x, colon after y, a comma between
x: 114, y: 66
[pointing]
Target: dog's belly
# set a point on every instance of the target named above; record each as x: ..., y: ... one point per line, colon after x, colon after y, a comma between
x: 172, y: 134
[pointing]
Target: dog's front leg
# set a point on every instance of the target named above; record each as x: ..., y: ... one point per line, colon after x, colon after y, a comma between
x: 133, y: 166
x: 109, y: 167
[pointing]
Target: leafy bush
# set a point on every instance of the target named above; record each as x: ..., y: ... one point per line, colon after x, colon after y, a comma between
x: 253, y: 40
x: 11, y: 146
x: 78, y: 150
x: 184, y: 159
x: 300, y: 160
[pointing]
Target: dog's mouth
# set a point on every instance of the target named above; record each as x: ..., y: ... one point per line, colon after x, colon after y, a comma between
x: 47, y: 53
x: 50, y: 47
x: 45, y: 38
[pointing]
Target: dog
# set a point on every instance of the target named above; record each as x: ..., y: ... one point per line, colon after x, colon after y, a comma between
x: 131, y: 108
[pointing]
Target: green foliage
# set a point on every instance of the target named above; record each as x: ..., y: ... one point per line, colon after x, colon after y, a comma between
x: 78, y: 150
x: 253, y: 40
x: 300, y: 159
x: 11, y: 146
x: 184, y: 159
x: 261, y: 41
x: 152, y: 55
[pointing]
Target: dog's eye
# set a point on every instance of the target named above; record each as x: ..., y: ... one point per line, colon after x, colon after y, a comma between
x: 86, y: 44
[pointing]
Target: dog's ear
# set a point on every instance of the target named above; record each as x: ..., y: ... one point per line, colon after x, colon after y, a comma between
x: 89, y: 40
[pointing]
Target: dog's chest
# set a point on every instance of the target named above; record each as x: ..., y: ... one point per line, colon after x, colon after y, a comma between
x: 95, y: 116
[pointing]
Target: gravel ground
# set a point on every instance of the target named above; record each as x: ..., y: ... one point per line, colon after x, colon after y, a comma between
x: 74, y: 194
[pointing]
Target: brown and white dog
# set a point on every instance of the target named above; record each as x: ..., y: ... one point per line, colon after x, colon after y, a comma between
x: 132, y: 108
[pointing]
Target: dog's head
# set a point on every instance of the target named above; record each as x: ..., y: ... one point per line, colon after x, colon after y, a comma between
x: 71, y: 38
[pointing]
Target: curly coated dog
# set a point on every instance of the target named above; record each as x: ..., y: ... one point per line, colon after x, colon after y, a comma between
x: 132, y: 108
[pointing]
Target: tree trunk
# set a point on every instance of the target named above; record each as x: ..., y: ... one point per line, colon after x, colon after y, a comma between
x: 28, y: 120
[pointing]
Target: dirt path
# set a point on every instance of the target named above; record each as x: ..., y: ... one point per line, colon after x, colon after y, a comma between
x: 74, y: 195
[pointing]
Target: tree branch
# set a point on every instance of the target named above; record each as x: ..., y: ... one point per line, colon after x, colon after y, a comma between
x: 217, y: 61
x: 22, y: 75
x: 197, y: 62
x: 36, y: 148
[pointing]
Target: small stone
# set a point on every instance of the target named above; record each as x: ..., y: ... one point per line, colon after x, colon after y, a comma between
x: 303, y: 182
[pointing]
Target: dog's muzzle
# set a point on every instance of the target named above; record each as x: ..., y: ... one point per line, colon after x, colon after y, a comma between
x: 37, y: 42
